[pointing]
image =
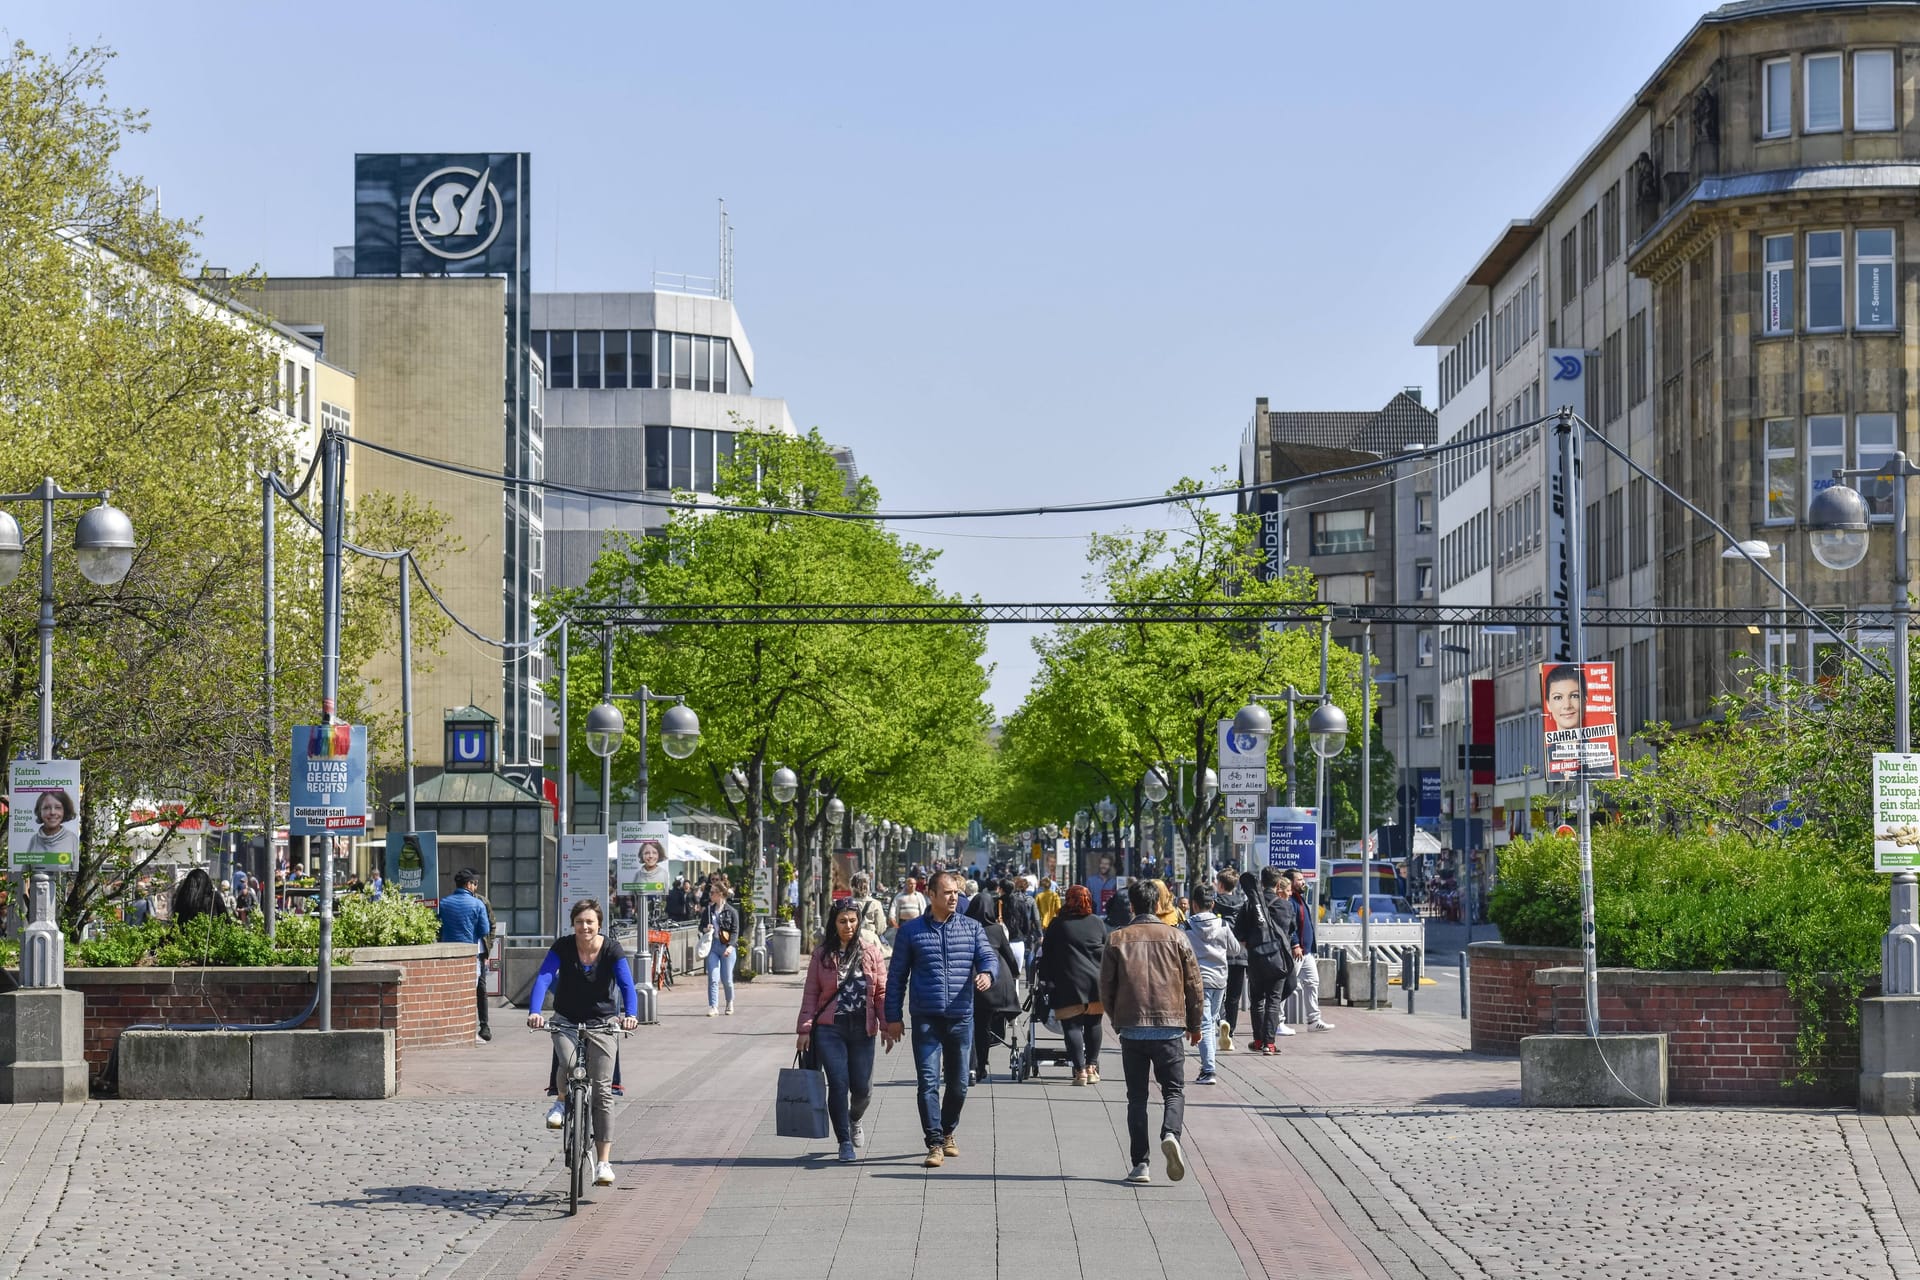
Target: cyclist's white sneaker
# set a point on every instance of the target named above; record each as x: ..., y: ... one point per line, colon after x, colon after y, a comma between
x: 603, y: 1174
x: 557, y: 1114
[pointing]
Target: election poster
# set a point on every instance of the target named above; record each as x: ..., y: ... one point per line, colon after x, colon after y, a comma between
x: 1577, y: 711
x: 327, y: 788
x: 43, y: 828
x: 643, y: 857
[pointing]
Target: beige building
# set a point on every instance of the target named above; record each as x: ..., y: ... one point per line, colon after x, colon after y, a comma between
x: 428, y: 365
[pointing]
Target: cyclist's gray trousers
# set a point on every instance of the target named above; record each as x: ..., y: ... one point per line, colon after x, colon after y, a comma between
x: 600, y: 1047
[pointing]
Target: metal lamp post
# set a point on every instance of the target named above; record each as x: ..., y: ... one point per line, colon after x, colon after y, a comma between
x: 1838, y: 523
x: 679, y: 736
x: 103, y: 545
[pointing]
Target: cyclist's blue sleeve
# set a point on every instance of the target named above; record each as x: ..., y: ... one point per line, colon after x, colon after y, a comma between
x: 623, y: 975
x: 549, y: 970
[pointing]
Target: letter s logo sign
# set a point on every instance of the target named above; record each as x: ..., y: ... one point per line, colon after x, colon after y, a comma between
x: 1568, y: 368
x: 457, y: 210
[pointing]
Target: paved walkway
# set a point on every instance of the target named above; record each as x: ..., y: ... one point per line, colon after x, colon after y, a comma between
x: 1377, y: 1150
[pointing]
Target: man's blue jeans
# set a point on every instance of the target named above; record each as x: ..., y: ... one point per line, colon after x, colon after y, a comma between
x: 941, y: 1044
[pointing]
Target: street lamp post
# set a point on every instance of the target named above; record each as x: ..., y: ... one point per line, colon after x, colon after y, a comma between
x: 679, y: 735
x: 1326, y: 734
x: 103, y: 544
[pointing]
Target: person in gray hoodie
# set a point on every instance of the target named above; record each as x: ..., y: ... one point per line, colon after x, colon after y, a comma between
x: 1213, y: 942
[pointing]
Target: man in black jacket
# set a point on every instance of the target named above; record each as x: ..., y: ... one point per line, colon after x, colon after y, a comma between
x: 1021, y: 917
x: 1266, y: 926
x: 1227, y: 901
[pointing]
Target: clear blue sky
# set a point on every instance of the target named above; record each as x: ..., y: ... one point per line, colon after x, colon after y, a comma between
x: 1009, y: 253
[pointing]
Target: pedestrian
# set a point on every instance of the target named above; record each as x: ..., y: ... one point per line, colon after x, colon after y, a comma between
x: 677, y: 900
x: 1227, y: 901
x: 592, y: 983
x: 1165, y: 908
x: 1212, y: 941
x: 1119, y: 914
x: 1150, y: 984
x: 940, y: 959
x: 1070, y: 954
x: 1022, y: 920
x: 464, y: 918
x: 720, y: 921
x: 846, y: 987
x: 999, y: 1003
x: 907, y: 903
x: 873, y: 916
x: 1265, y: 927
x: 1046, y: 903
x: 1304, y: 952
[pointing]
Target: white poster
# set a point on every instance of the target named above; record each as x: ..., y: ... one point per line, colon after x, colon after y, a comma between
x: 1896, y: 811
x: 43, y: 829
x: 643, y: 857
x: 583, y: 870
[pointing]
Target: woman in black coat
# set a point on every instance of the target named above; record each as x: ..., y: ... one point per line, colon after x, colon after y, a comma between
x: 993, y: 1007
x: 1070, y: 955
x: 1266, y: 927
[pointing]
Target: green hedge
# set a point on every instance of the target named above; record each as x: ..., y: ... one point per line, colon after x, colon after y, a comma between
x: 359, y: 921
x: 1793, y: 904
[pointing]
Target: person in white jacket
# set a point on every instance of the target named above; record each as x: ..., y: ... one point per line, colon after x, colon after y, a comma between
x: 1213, y: 944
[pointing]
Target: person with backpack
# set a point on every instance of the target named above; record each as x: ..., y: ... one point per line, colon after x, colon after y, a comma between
x: 1265, y: 926
x: 1212, y: 941
x: 1227, y: 901
x: 873, y: 916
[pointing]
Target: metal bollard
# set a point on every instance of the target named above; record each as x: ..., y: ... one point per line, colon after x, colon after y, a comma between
x: 1463, y: 984
x: 1409, y: 977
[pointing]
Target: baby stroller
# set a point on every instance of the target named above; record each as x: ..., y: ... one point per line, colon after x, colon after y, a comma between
x: 1043, y: 1044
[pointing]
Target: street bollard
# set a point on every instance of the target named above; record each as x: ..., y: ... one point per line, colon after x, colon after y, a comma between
x: 1342, y: 982
x: 1374, y: 965
x: 1463, y: 984
x: 1409, y: 977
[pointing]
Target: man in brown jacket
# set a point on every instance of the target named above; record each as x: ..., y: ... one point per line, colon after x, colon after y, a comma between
x: 1150, y: 984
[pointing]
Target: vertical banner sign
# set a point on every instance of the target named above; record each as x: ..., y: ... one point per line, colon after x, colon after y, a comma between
x: 413, y: 863
x: 1896, y: 811
x: 1243, y: 761
x: 1566, y: 388
x: 1293, y: 840
x: 43, y: 813
x: 1429, y: 794
x: 1577, y: 714
x: 327, y: 791
x: 763, y: 891
x: 643, y: 857
x: 1273, y: 537
x: 1063, y: 857
x: 583, y: 869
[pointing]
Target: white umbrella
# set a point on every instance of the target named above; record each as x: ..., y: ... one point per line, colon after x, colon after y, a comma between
x: 689, y: 849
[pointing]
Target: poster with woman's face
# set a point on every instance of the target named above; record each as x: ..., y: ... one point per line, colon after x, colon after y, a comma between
x: 1577, y: 714
x: 643, y: 857
x: 43, y: 822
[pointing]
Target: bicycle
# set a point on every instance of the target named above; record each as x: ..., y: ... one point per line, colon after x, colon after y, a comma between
x: 576, y: 1131
x: 660, y: 943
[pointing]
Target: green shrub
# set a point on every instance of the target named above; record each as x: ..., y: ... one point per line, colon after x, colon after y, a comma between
x: 359, y: 921
x: 9, y: 954
x: 1794, y: 904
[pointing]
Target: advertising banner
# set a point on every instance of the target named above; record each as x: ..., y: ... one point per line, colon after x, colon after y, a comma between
x: 583, y: 869
x: 1243, y: 761
x: 643, y: 857
x: 1577, y: 713
x: 1566, y: 388
x: 1293, y: 840
x: 413, y: 863
x: 1429, y: 794
x: 1896, y: 811
x: 43, y: 813
x: 328, y: 786
x: 1063, y: 857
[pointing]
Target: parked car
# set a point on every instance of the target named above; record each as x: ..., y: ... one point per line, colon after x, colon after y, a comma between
x: 1384, y: 909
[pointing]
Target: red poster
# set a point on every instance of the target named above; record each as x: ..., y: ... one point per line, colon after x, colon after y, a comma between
x: 1577, y: 711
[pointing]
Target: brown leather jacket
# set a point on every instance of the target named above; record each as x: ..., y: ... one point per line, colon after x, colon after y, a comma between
x: 1149, y: 978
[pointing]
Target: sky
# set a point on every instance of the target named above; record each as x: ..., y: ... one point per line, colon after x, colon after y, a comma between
x: 1008, y: 253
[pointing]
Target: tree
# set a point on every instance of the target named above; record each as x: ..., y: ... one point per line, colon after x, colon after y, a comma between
x: 887, y: 719
x: 119, y: 371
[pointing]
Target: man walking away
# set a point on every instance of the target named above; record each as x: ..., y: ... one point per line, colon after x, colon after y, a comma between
x: 873, y: 916
x: 464, y: 918
x: 1227, y: 901
x: 1150, y: 985
x: 939, y: 959
x: 1022, y: 919
x: 1303, y: 950
x: 1212, y: 940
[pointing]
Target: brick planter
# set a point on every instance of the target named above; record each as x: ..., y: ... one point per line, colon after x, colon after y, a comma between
x: 1503, y: 1002
x: 423, y: 994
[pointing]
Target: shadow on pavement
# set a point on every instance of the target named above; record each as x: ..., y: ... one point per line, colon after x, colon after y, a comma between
x: 475, y: 1204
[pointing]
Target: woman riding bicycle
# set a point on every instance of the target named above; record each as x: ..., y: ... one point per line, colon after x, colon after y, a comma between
x: 583, y: 969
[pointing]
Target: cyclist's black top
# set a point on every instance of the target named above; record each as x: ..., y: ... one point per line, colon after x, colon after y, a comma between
x: 582, y: 993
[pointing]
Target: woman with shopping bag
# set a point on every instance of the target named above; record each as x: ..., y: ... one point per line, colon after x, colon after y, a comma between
x: 839, y: 1017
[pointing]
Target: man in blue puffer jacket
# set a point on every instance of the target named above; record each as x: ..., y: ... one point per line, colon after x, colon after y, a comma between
x: 944, y: 957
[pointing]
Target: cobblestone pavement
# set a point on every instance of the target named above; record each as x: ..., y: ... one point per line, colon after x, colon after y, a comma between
x: 1377, y: 1150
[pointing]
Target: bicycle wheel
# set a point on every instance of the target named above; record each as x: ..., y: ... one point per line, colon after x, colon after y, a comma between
x: 582, y: 1136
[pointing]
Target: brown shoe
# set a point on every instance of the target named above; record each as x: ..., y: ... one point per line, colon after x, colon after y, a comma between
x: 950, y: 1148
x: 935, y: 1158
x: 1093, y: 1075
x: 1079, y: 1077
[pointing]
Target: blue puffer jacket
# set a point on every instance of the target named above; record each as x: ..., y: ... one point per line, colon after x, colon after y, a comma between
x: 938, y: 960
x: 463, y: 917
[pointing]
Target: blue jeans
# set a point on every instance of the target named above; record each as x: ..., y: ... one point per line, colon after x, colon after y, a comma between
x: 846, y: 1054
x: 941, y: 1044
x: 720, y: 972
x: 1213, y: 999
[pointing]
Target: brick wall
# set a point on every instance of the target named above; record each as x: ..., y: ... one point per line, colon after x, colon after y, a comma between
x: 1503, y: 1002
x: 424, y: 994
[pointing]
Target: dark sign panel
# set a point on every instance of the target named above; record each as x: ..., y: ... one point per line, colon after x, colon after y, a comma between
x: 436, y: 215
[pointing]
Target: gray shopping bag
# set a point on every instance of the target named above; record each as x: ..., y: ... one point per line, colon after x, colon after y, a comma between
x: 800, y: 1103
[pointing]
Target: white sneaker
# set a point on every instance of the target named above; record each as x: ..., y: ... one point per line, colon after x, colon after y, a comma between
x: 1285, y: 1030
x: 729, y: 1008
x: 557, y: 1114
x: 712, y: 1012
x: 1140, y: 1173
x: 603, y: 1174
x: 859, y: 1134
x: 1176, y: 1164
x: 1320, y: 1026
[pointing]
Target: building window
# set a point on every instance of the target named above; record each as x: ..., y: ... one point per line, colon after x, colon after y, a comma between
x: 614, y: 359
x: 658, y: 472
x: 1347, y: 588
x: 1637, y: 521
x: 1423, y: 717
x: 1568, y: 276
x: 1875, y: 437
x: 1637, y: 357
x: 1423, y: 647
x: 1873, y: 289
x: 663, y: 360
x: 1782, y: 471
x: 640, y: 362
x: 1826, y: 451
x: 1873, y: 90
x: 702, y: 363
x: 1610, y: 223
x: 1826, y: 281
x: 1589, y: 246
x: 1612, y: 381
x: 1337, y: 533
x: 306, y: 394
x: 586, y: 360
x: 1423, y: 580
x: 1776, y: 93
x: 1823, y: 93
x: 560, y: 360
x: 1423, y: 513
x: 683, y: 362
x: 1594, y: 544
x: 1776, y: 292
x: 1616, y: 533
